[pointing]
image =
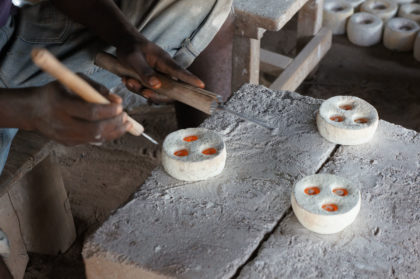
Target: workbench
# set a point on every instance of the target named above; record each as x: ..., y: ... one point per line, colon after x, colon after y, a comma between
x: 254, y: 17
x: 240, y: 224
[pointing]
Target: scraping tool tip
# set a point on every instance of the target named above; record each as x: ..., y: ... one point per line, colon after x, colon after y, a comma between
x: 149, y: 138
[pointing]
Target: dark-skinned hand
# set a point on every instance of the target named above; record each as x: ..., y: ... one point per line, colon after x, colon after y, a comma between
x: 105, y: 19
x: 146, y: 58
x: 64, y: 117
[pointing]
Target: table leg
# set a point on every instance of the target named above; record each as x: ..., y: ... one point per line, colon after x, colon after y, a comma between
x: 246, y: 61
x: 305, y: 62
x: 309, y: 22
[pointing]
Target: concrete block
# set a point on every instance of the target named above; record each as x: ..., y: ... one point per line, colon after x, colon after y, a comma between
x: 9, y: 224
x: 208, y: 229
x: 42, y: 206
x: 384, y: 240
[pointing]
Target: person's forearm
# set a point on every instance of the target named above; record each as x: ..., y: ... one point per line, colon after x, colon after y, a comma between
x: 102, y: 17
x: 16, y: 108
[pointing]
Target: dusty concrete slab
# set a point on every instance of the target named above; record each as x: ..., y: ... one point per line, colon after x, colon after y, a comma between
x: 384, y: 240
x: 271, y: 15
x: 208, y: 229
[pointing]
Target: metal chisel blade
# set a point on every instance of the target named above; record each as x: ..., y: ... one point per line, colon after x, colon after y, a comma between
x: 149, y: 138
x: 245, y: 117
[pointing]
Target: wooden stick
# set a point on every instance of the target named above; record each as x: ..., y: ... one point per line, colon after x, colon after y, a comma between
x: 47, y: 62
x: 273, y: 63
x: 198, y: 98
x: 304, y: 63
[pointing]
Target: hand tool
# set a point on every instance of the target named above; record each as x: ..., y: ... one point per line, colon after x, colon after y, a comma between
x: 47, y: 62
x: 198, y: 98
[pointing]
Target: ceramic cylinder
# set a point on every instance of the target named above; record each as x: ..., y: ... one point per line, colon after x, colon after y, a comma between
x: 400, y: 34
x: 364, y: 29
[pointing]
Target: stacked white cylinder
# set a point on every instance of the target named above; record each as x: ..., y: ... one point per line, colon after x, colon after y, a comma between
x: 410, y: 11
x: 400, y: 34
x: 384, y: 9
x: 356, y: 4
x: 376, y: 22
x: 364, y: 29
x: 402, y: 2
x: 417, y: 47
x: 336, y: 13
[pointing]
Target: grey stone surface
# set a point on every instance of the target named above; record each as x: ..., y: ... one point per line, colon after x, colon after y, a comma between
x: 384, y: 240
x: 208, y: 229
x: 271, y: 15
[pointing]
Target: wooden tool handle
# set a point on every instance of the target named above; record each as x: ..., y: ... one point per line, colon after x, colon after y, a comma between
x: 47, y: 62
x: 198, y: 98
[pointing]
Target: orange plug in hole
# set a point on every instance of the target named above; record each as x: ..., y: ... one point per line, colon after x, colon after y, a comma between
x: 181, y: 153
x: 330, y: 207
x: 191, y: 138
x: 337, y: 118
x: 209, y: 151
x: 346, y: 107
x: 361, y: 120
x: 341, y: 192
x: 311, y: 191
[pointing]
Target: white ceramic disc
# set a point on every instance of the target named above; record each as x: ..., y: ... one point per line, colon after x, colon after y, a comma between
x: 347, y: 120
x: 384, y: 9
x: 336, y: 14
x: 364, y: 29
x: 410, y: 11
x: 193, y: 154
x: 400, y: 34
x: 325, y: 203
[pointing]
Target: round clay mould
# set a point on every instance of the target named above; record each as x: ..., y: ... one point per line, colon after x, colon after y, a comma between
x: 336, y: 13
x: 193, y: 154
x: 400, y: 34
x: 384, y: 9
x: 410, y: 11
x: 417, y: 48
x: 330, y: 208
x: 356, y: 4
x: 402, y: 2
x: 347, y: 120
x: 364, y: 29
